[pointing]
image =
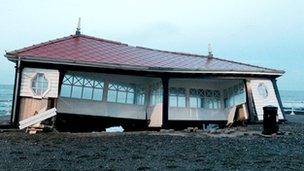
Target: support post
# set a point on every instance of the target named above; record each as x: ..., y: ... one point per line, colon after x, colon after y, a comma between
x: 277, y: 93
x: 165, y: 82
x: 105, y: 91
x: 15, y: 107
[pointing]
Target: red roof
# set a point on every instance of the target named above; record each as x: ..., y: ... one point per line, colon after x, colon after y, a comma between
x: 87, y: 50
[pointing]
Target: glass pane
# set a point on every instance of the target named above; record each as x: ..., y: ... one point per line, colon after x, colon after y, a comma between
x: 209, y: 93
x: 217, y: 94
x: 140, y: 99
x: 98, y: 84
x: 67, y: 79
x: 193, y: 102
x: 78, y: 81
x: 45, y: 86
x: 216, y: 104
x: 153, y: 99
x: 193, y: 92
x: 130, y: 89
x: 112, y: 87
x: 97, y: 94
x: 39, y: 92
x: 39, y: 84
x: 201, y: 93
x: 87, y: 93
x: 34, y: 83
x: 209, y: 104
x: 173, y: 101
x: 65, y: 91
x: 130, y: 98
x: 121, y: 97
x: 88, y: 82
x: 76, y: 93
x: 159, y: 99
x: 181, y: 101
x: 112, y: 96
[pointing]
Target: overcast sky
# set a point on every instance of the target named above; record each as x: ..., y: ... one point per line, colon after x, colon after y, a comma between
x: 266, y: 33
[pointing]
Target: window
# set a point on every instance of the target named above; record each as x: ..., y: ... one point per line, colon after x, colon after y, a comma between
x: 81, y: 87
x: 209, y: 99
x: 196, y: 98
x: 121, y: 93
x: 39, y: 84
x: 213, y: 99
x: 177, y: 97
x: 262, y: 90
x: 234, y: 95
x: 140, y: 96
x: 126, y: 93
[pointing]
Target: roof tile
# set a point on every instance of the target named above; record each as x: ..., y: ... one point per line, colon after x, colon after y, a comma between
x: 100, y: 51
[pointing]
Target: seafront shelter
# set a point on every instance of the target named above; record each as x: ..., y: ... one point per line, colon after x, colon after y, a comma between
x: 95, y: 83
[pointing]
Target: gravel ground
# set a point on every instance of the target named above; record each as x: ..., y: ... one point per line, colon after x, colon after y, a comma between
x: 154, y: 150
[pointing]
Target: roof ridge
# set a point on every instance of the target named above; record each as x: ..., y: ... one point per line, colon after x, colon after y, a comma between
x: 172, y: 52
x: 101, y: 39
x: 34, y: 46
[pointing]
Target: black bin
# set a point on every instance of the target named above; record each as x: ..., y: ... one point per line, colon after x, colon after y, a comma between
x: 270, y: 123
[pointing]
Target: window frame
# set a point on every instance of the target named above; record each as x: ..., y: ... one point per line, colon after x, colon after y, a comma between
x: 43, y: 93
x: 131, y: 89
x: 199, y: 96
x: 82, y: 82
x: 178, y: 94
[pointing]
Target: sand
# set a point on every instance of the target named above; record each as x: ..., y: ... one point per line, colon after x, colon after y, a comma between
x: 154, y: 150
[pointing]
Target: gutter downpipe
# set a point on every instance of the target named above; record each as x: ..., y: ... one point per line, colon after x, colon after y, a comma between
x: 16, y: 90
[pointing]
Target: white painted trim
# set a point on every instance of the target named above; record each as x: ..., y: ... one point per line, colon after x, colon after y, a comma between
x: 37, y: 118
x: 150, y: 69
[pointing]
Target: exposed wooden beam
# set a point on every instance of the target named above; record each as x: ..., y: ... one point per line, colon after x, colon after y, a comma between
x: 250, y: 102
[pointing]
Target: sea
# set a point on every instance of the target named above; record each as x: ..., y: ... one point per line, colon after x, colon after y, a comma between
x: 6, y: 98
x: 290, y: 99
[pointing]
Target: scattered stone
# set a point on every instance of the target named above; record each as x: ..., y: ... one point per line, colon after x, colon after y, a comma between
x: 166, y: 130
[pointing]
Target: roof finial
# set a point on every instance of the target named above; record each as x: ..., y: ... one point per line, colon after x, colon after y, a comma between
x: 78, y: 27
x: 210, y: 51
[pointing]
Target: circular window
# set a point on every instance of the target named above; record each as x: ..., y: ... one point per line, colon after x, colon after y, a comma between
x: 39, y: 84
x: 262, y: 89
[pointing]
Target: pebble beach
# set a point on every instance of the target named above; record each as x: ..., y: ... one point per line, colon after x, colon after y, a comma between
x: 151, y: 150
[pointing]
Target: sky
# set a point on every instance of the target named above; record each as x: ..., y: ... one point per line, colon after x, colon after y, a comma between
x: 265, y: 33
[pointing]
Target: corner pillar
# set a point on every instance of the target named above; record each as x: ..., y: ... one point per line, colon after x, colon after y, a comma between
x: 277, y: 93
x: 165, y: 82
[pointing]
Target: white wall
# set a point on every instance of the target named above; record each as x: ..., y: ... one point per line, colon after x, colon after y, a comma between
x: 28, y: 75
x: 98, y: 108
x: 194, y: 114
x: 261, y: 101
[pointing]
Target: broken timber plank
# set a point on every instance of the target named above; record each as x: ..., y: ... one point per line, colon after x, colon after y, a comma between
x: 37, y: 118
x: 231, y: 115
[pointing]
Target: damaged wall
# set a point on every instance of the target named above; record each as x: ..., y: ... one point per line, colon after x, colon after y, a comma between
x: 35, y: 93
x: 263, y: 95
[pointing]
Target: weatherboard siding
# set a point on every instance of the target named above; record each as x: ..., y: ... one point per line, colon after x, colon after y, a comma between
x: 261, y: 101
x: 28, y: 75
